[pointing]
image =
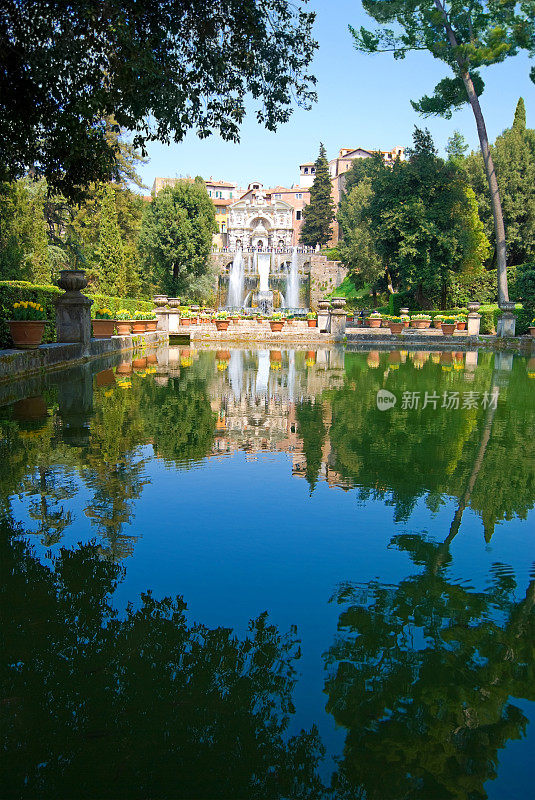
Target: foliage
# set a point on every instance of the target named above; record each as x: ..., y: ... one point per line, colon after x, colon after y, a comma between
x: 112, y: 278
x: 357, y: 247
x: 103, y: 313
x: 27, y: 310
x: 24, y: 249
x: 176, y: 238
x: 318, y: 215
x: 456, y: 148
x: 193, y: 64
x: 514, y: 157
x: 15, y: 291
x: 526, y: 284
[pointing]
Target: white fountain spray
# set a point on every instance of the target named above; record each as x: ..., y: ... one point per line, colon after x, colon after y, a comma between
x: 235, y: 286
x: 292, y: 284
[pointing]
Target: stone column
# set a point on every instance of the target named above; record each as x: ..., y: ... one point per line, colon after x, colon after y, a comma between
x: 338, y: 317
x: 323, y: 316
x: 75, y: 405
x: 507, y: 321
x: 73, y: 309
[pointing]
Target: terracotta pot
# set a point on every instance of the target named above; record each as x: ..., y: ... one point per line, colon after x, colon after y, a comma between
x: 105, y: 378
x: 185, y: 320
x: 448, y: 329
x: 461, y: 326
x: 139, y: 363
x: 222, y: 324
x: 123, y: 326
x: 531, y: 330
x: 312, y: 323
x: 185, y: 352
x: 446, y: 359
x: 311, y: 355
x: 222, y: 355
x: 193, y: 321
x: 420, y: 324
x: 373, y: 360
x: 276, y: 326
x: 27, y: 334
x: 373, y: 323
x: 152, y: 359
x: 151, y: 325
x: 437, y: 323
x: 406, y: 323
x: 396, y: 327
x: 103, y: 328
x: 394, y: 357
x: 275, y: 355
x: 138, y: 326
x: 125, y: 368
x: 385, y: 323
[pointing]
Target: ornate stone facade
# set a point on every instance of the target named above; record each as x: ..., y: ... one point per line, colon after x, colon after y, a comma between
x: 260, y: 223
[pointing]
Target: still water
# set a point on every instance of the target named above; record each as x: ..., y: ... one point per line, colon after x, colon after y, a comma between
x: 245, y: 574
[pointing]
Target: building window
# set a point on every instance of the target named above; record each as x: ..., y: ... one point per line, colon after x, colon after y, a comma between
x: 298, y: 215
x: 299, y: 196
x: 313, y: 170
x: 209, y: 194
x: 231, y: 195
x: 277, y: 196
x: 306, y: 170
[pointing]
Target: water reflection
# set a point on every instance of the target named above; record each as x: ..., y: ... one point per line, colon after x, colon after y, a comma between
x: 422, y: 676
x: 148, y: 705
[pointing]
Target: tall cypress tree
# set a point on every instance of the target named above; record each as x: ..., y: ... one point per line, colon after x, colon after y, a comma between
x: 112, y: 268
x: 319, y: 214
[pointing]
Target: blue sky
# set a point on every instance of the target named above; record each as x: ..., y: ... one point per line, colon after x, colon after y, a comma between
x: 362, y: 101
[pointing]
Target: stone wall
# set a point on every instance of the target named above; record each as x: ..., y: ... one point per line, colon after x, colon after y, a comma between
x: 325, y: 276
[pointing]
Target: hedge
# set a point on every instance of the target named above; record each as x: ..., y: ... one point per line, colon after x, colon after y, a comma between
x: 12, y: 291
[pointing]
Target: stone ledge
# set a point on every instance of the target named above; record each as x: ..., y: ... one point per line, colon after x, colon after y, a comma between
x: 17, y: 363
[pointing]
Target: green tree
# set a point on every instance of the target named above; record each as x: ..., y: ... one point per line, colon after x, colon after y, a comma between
x: 318, y: 215
x: 112, y: 269
x: 466, y: 36
x: 312, y: 431
x: 456, y: 148
x: 514, y: 157
x: 357, y: 244
x: 176, y: 238
x: 161, y: 69
x: 424, y: 222
x: 24, y: 249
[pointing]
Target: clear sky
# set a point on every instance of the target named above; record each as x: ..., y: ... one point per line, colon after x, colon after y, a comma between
x: 362, y: 101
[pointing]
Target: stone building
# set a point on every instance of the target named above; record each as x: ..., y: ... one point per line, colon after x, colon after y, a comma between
x: 257, y: 220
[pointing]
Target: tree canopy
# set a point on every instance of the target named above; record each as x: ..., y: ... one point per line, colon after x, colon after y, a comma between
x: 161, y: 69
x: 176, y: 237
x: 318, y: 215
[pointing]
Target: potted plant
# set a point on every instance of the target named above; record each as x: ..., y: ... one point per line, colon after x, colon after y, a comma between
x: 449, y: 324
x: 150, y: 321
x: 221, y: 321
x: 312, y: 319
x: 405, y: 320
x: 27, y: 324
x: 396, y: 325
x: 385, y: 321
x: 276, y: 322
x: 123, y: 322
x: 437, y: 320
x: 420, y: 321
x: 374, y: 320
x: 103, y: 324
x: 138, y: 322
x: 461, y: 322
x: 532, y: 327
x: 185, y: 316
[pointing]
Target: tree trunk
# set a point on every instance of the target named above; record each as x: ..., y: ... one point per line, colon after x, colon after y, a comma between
x: 499, y: 228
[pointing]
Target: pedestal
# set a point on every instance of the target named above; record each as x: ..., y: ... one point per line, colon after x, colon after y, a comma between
x: 473, y: 323
x: 506, y: 324
x: 73, y: 309
x: 338, y: 323
x: 324, y: 316
x: 162, y: 319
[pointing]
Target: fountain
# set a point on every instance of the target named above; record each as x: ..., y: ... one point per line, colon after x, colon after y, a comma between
x: 292, y: 291
x: 265, y: 295
x: 235, y: 289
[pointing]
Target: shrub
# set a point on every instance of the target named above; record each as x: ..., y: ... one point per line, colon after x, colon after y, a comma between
x: 16, y: 291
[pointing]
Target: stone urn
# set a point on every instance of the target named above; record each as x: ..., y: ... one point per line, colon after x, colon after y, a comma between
x: 338, y: 302
x: 403, y: 312
x: 473, y: 307
x: 173, y: 302
x: 160, y: 300
x: 507, y: 306
x: 72, y: 280
x: 323, y: 305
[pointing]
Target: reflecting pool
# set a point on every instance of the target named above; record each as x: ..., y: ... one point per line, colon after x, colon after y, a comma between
x: 269, y: 574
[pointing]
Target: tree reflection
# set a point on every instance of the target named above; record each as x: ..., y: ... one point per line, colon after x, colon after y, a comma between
x: 149, y: 705
x: 421, y: 675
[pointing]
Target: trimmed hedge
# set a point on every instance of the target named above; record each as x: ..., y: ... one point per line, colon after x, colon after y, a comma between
x: 12, y: 291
